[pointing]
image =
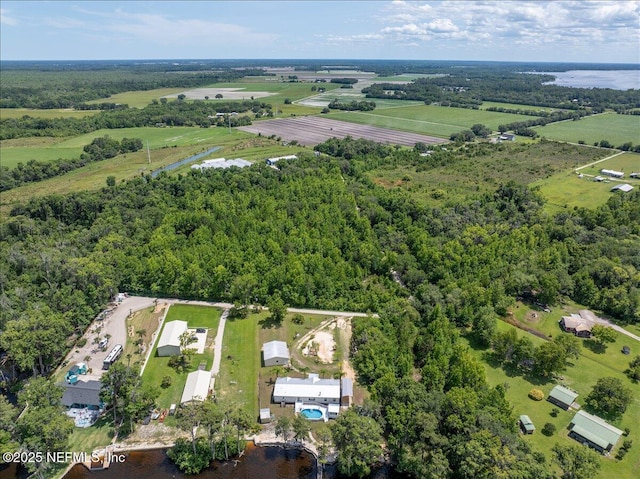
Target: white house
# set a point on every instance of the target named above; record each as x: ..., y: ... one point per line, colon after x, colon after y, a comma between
x: 612, y: 173
x: 169, y: 342
x: 197, y: 386
x: 310, y: 389
x: 274, y: 160
x: 275, y: 353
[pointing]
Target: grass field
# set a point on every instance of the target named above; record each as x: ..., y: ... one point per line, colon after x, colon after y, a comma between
x: 617, y: 129
x: 515, y: 106
x: 580, y: 376
x: 6, y: 113
x: 428, y: 119
x: 238, y: 378
x: 567, y: 190
x: 11, y: 156
x: 146, y: 321
x: 158, y: 367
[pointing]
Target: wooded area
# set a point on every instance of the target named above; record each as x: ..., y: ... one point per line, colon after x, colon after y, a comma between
x: 320, y: 232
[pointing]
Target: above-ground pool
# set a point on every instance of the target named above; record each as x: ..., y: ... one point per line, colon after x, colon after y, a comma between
x: 312, y: 414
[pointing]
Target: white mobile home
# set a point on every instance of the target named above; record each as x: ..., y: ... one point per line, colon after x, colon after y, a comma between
x: 311, y: 389
x: 612, y: 173
x: 169, y: 342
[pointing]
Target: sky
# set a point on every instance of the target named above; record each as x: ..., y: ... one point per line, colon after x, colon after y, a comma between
x: 541, y: 31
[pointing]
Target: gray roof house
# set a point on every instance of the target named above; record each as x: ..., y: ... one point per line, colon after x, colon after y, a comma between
x: 594, y: 431
x: 82, y: 394
x: 563, y: 397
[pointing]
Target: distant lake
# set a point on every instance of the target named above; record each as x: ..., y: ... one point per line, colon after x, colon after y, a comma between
x: 614, y: 79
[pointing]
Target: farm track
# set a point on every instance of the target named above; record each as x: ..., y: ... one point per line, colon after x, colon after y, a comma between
x: 311, y: 130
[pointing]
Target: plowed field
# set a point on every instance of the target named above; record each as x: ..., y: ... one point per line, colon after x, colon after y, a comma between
x: 311, y: 130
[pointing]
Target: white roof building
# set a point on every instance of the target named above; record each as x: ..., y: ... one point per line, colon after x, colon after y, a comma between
x: 626, y: 187
x: 275, y: 353
x: 612, y: 173
x: 310, y: 389
x: 274, y: 160
x: 197, y: 386
x: 169, y: 342
x: 221, y: 163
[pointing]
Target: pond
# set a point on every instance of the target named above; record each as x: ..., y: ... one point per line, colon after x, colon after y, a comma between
x: 177, y: 164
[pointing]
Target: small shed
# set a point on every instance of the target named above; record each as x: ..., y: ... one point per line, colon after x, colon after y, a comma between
x: 275, y: 353
x: 346, y: 392
x: 169, y: 342
x: 265, y: 415
x: 197, y: 386
x: 594, y: 431
x: 563, y: 397
x: 526, y: 425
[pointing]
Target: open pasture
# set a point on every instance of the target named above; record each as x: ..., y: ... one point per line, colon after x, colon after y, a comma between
x: 6, y: 113
x: 615, y: 128
x: 515, y: 106
x: 312, y: 130
x: 429, y: 119
x: 567, y: 190
x: 11, y: 156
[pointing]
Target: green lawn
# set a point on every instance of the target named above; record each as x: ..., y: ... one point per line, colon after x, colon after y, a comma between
x: 617, y: 129
x: 11, y: 156
x: 89, y: 438
x: 580, y: 376
x: 158, y: 367
x: 626, y: 162
x: 238, y: 378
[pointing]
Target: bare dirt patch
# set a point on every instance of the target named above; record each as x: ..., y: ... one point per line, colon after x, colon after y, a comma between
x: 227, y: 94
x: 533, y: 316
x: 322, y: 346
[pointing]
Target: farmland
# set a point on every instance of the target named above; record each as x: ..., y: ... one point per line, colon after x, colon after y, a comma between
x: 617, y: 129
x: 429, y: 119
x: 314, y: 130
x: 54, y: 113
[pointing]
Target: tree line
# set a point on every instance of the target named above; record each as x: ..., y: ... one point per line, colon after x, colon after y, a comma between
x: 158, y: 113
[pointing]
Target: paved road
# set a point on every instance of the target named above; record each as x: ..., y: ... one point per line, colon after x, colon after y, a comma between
x: 620, y: 329
x: 116, y: 326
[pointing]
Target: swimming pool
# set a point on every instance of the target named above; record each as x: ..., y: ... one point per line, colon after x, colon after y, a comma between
x: 312, y: 414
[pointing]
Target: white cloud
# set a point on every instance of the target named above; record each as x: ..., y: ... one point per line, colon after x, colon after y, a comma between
x: 581, y: 24
x: 159, y: 29
x: 6, y: 19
